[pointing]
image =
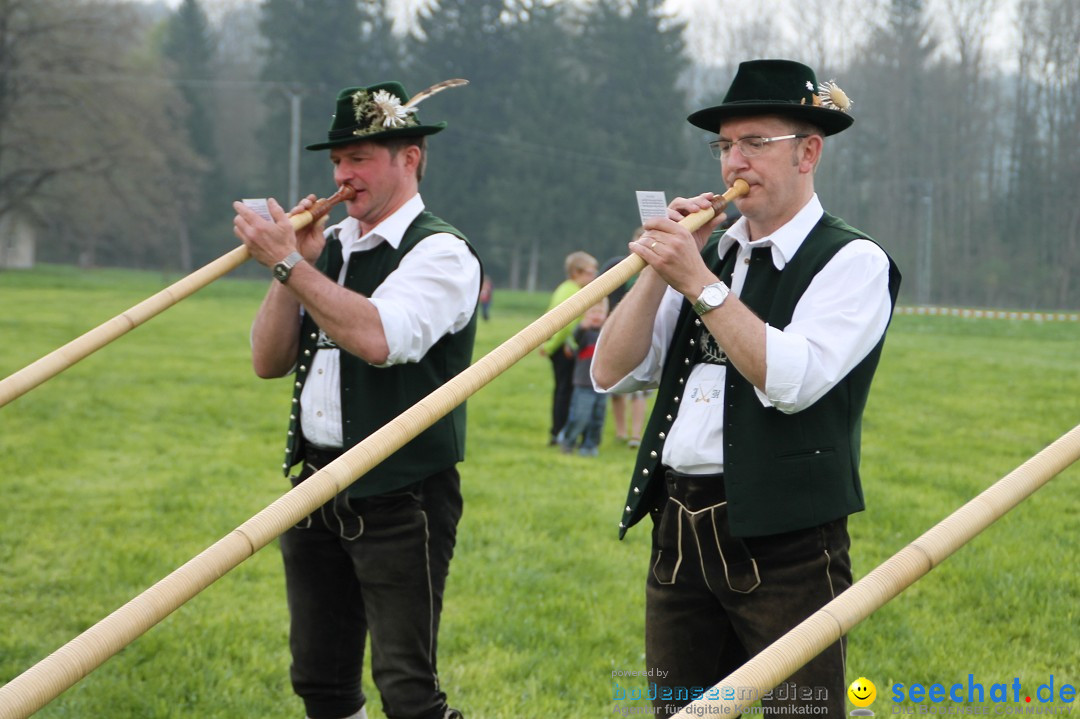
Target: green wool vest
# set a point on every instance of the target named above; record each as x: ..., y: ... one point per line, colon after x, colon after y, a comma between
x: 372, y: 396
x: 782, y: 472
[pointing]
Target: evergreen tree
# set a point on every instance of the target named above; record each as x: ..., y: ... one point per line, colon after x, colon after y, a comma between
x: 189, y: 49
x: 630, y: 58
x: 314, y: 48
x: 490, y: 170
x: 568, y: 116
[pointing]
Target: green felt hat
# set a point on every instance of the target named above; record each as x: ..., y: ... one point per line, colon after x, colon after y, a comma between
x: 779, y: 87
x: 379, y: 112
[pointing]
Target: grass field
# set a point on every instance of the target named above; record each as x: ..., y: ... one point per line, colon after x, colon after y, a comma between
x: 139, y: 457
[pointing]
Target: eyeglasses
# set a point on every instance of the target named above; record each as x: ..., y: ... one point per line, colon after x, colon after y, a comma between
x: 751, y: 146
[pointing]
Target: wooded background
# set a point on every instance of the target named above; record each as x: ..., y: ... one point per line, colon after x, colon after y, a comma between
x: 126, y: 129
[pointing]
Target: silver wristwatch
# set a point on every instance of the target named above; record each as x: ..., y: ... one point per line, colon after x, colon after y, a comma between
x: 711, y: 297
x: 283, y: 269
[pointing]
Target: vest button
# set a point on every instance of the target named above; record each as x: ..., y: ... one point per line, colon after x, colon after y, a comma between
x: 686, y: 360
x: 307, y: 353
x: 682, y: 381
x: 299, y: 385
x: 697, y: 323
x: 644, y: 473
x: 295, y: 400
x: 651, y: 454
x: 628, y: 509
x: 637, y: 490
x: 662, y: 435
x: 314, y: 336
x: 692, y: 343
x: 676, y: 399
x: 668, y: 418
x: 303, y: 368
x: 622, y: 526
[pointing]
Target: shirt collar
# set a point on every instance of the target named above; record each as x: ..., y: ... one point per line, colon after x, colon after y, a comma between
x: 391, y: 230
x: 785, y: 241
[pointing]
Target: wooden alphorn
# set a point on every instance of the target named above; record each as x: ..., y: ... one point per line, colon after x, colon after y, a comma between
x: 44, y: 681
x: 52, y: 364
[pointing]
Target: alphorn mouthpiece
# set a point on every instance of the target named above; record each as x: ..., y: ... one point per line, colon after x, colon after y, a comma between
x: 737, y: 189
x: 700, y: 218
x: 321, y: 207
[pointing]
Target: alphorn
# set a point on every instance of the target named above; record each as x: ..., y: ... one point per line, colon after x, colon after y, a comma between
x: 772, y: 665
x: 52, y: 364
x: 44, y: 681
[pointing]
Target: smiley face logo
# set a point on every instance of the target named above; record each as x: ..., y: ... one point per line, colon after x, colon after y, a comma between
x: 862, y: 692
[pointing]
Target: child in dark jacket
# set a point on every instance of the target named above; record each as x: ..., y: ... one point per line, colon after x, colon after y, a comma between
x: 587, y: 406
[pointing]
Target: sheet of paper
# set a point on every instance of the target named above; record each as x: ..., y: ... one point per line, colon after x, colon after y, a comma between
x: 651, y: 204
x: 260, y: 208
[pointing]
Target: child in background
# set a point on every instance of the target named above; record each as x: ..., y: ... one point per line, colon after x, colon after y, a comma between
x: 580, y: 271
x: 587, y: 406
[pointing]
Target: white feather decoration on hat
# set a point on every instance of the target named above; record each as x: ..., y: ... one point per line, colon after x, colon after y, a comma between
x: 419, y: 97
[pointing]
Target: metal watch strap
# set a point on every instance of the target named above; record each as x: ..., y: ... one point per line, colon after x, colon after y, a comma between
x: 702, y: 305
x: 282, y: 270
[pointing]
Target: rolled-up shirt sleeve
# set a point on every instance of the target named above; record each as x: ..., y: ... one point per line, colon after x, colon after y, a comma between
x: 433, y: 292
x: 837, y: 322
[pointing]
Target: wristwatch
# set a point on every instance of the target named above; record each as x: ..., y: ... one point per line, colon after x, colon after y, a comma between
x: 711, y: 297
x: 283, y: 269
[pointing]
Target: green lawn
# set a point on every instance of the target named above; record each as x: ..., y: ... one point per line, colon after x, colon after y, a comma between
x: 139, y: 457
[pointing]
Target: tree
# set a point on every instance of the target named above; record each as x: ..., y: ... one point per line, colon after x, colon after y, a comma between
x: 313, y: 49
x: 1045, y: 152
x: 85, y: 147
x: 493, y: 165
x: 189, y: 48
x: 630, y: 58
x: 973, y: 156
x: 898, y: 157
x: 569, y: 114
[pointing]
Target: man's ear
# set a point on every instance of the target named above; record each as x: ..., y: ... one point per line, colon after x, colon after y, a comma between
x: 411, y: 157
x: 809, y: 153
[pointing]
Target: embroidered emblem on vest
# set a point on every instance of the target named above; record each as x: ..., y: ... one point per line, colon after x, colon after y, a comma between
x: 710, y: 350
x: 324, y: 342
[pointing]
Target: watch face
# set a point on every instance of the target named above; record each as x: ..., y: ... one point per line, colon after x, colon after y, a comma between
x: 281, y: 272
x: 712, y: 296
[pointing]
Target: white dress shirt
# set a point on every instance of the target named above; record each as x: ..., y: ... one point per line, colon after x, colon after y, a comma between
x: 433, y: 292
x: 835, y: 324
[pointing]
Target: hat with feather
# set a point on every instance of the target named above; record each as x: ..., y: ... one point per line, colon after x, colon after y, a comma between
x: 779, y: 87
x: 379, y: 112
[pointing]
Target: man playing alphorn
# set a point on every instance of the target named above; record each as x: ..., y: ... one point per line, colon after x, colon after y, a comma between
x: 371, y: 317
x: 763, y: 341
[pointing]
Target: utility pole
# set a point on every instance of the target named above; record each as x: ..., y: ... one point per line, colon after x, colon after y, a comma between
x: 294, y: 144
x: 924, y: 250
